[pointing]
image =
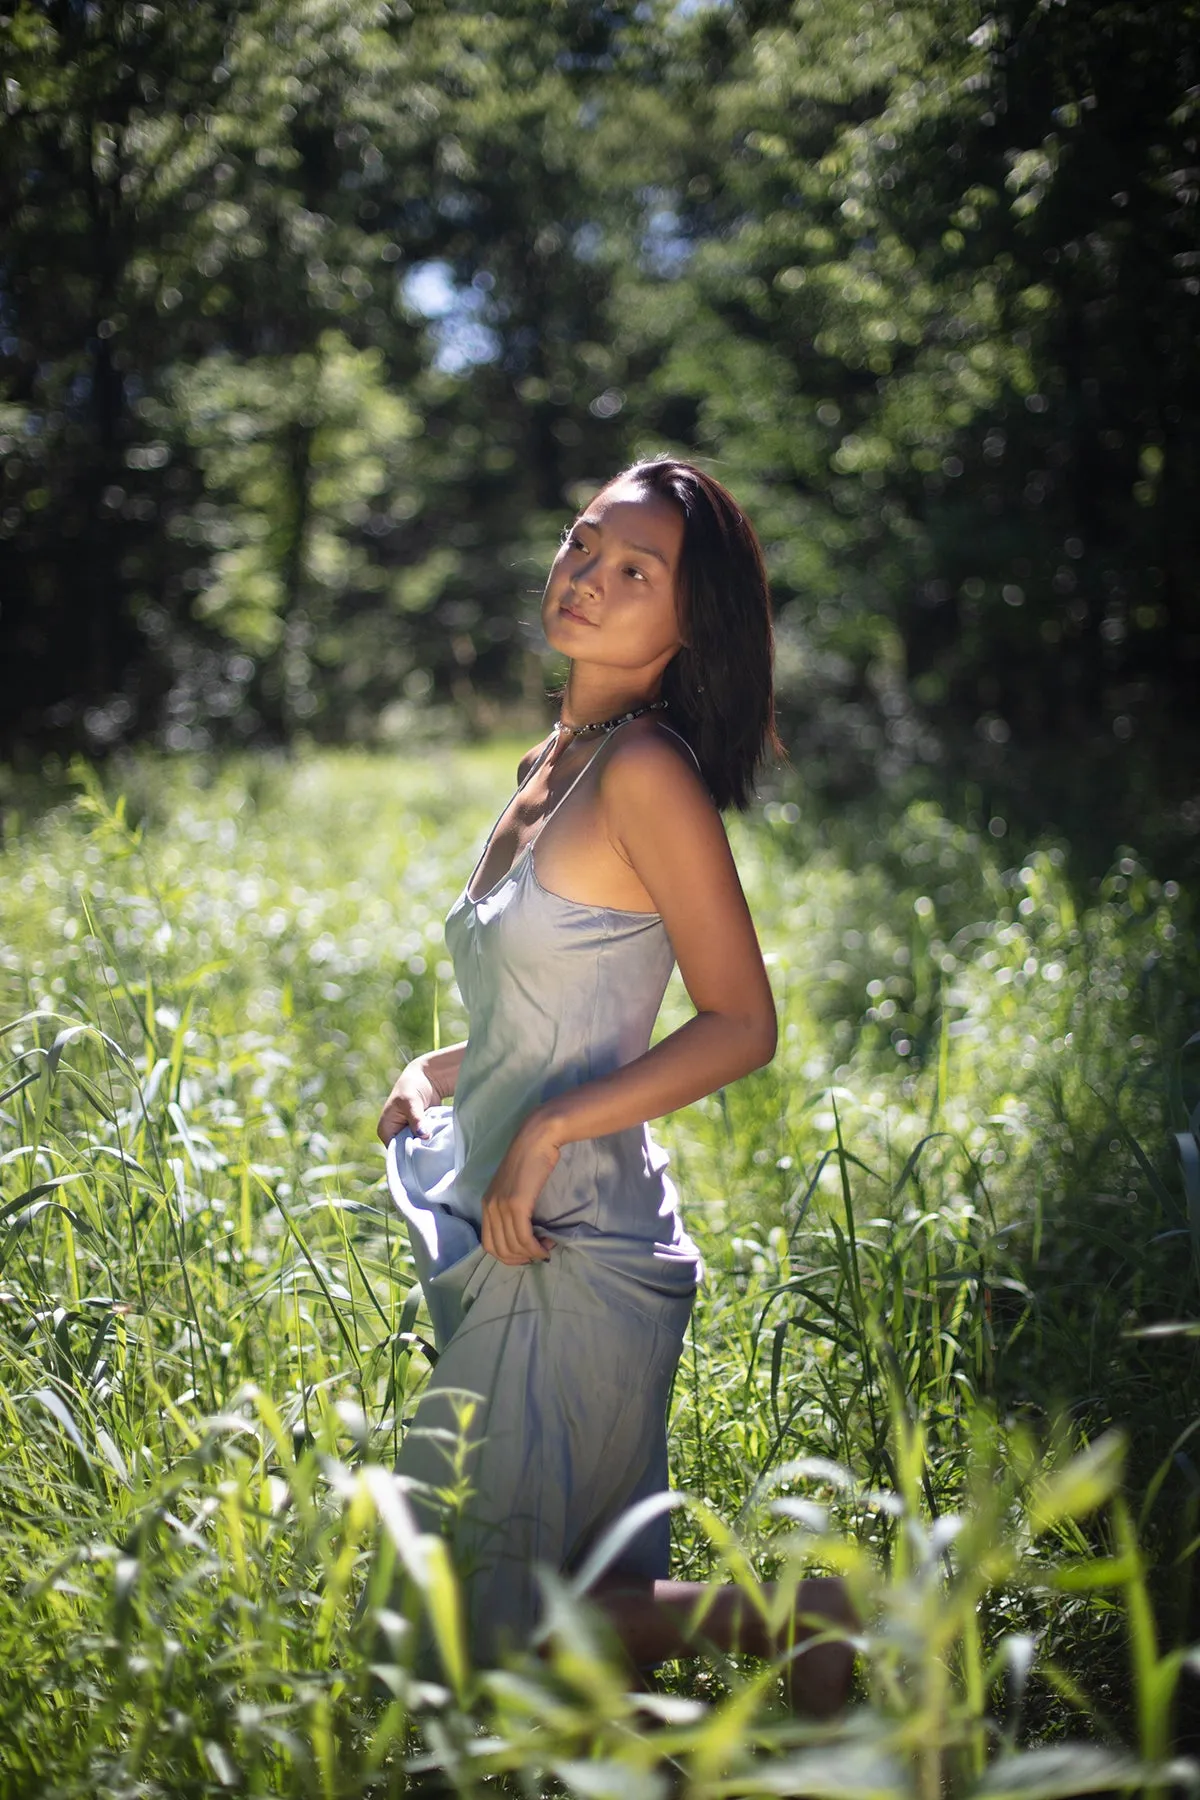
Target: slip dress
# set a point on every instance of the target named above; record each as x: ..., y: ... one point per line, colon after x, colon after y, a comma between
x: 544, y: 1418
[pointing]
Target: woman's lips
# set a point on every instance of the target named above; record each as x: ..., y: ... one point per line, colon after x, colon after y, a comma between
x: 570, y: 613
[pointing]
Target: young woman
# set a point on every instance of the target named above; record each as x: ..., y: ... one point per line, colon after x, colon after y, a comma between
x: 557, y: 1273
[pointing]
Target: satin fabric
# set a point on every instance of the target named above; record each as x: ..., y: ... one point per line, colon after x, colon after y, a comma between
x: 545, y: 1417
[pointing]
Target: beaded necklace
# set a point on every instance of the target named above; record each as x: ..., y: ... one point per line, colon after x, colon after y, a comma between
x: 609, y: 724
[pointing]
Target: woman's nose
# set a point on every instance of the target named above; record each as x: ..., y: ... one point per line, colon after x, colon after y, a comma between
x: 587, y: 577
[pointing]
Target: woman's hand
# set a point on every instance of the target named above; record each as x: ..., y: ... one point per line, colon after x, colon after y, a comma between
x: 512, y: 1193
x: 414, y: 1092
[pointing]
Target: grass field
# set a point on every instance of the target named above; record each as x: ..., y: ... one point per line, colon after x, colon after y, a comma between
x: 946, y: 1343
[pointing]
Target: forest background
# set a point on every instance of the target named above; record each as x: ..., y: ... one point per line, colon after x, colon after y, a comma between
x: 317, y: 320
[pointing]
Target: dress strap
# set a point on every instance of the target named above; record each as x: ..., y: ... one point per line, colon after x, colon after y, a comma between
x: 525, y: 853
x: 663, y: 726
x: 595, y: 758
x: 520, y: 787
x: 597, y: 753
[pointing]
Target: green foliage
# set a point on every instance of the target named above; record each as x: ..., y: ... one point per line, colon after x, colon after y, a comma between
x: 193, y: 204
x: 294, y: 451
x: 929, y: 324
x: 917, y: 279
x: 924, y: 1355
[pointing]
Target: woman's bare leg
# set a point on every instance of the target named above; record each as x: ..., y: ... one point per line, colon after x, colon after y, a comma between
x: 656, y: 1624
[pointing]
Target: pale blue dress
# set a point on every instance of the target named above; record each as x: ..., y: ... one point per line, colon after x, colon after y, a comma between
x: 571, y: 1360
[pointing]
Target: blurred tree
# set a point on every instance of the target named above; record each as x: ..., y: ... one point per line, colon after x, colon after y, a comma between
x: 933, y: 298
x: 315, y: 322
x: 174, y: 183
x: 263, y: 175
x: 522, y: 393
x: 97, y: 143
x: 295, y: 451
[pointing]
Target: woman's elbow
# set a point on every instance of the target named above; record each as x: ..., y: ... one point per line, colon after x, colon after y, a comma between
x: 770, y: 1039
x: 762, y: 1039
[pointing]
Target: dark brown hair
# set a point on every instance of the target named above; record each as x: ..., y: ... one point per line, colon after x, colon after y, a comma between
x: 719, y: 685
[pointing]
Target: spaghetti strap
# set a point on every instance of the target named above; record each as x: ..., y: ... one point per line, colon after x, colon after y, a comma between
x: 527, y: 847
x: 591, y: 763
x: 663, y: 726
x: 520, y: 788
x: 597, y: 753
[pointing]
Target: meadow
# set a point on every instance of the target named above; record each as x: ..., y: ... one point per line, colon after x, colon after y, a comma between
x: 946, y: 1343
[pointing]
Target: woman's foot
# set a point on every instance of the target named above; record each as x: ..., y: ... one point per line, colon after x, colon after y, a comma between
x: 820, y: 1665
x: 682, y: 1618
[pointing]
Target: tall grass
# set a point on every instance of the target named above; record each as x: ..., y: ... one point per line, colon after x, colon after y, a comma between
x: 943, y: 1345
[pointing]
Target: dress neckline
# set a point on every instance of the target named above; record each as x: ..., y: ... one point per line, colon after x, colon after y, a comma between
x: 474, y: 900
x: 525, y: 853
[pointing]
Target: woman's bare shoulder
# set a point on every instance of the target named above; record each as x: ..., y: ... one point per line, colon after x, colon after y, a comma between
x: 650, y: 750
x: 650, y: 766
x: 661, y: 819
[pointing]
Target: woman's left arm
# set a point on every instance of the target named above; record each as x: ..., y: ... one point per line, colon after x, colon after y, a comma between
x: 661, y: 820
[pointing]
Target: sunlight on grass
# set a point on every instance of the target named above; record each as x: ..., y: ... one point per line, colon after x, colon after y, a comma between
x: 931, y: 1230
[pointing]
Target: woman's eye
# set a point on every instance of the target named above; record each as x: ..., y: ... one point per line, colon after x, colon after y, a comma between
x: 631, y: 570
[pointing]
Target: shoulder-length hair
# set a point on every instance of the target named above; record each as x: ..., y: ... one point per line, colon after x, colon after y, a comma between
x: 719, y: 685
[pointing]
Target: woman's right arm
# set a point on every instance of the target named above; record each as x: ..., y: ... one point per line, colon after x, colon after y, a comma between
x: 422, y: 1083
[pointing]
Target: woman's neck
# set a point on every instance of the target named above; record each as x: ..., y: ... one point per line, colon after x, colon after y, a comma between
x: 593, y: 695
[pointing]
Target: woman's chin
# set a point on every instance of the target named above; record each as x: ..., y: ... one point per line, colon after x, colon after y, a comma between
x: 565, y: 635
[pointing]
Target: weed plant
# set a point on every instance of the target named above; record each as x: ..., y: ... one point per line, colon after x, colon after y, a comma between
x: 946, y: 1343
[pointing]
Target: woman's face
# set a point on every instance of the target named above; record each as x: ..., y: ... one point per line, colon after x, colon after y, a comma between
x: 611, y: 594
